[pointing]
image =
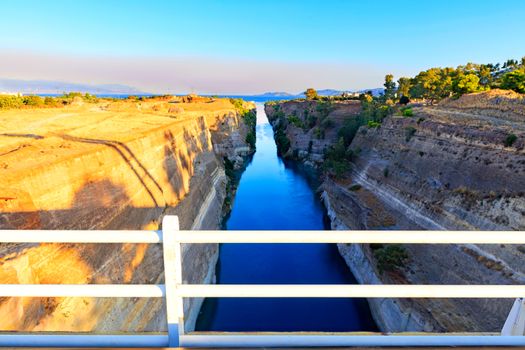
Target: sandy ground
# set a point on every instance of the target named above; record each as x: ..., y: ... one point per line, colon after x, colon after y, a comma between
x: 32, y: 137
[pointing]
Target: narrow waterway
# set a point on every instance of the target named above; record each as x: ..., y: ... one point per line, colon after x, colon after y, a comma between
x: 275, y: 196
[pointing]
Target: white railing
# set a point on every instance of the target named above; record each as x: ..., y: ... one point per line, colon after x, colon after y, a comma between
x: 94, y: 290
x: 174, y: 290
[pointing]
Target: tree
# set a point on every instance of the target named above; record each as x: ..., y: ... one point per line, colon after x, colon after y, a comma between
x: 390, y: 86
x: 432, y: 84
x: 466, y: 83
x: 311, y: 94
x: 485, y: 74
x: 403, y: 86
x: 510, y: 63
x: 514, y: 81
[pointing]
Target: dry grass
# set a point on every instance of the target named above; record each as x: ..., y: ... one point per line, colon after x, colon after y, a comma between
x: 497, y: 100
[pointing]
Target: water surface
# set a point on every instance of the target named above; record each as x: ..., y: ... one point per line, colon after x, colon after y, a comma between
x: 275, y: 196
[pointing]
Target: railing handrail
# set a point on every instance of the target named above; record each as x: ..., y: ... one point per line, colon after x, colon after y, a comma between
x: 350, y: 291
x: 398, y: 236
x: 174, y: 290
x: 94, y: 290
x: 83, y: 290
x: 80, y: 236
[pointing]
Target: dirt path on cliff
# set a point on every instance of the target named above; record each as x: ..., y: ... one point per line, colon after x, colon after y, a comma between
x: 471, y: 117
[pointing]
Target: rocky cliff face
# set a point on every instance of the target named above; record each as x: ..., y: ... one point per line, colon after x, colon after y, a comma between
x: 304, y: 129
x: 456, y: 167
x: 113, y: 165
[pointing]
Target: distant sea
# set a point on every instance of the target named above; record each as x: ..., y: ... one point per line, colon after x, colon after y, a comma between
x: 253, y: 98
x: 260, y: 98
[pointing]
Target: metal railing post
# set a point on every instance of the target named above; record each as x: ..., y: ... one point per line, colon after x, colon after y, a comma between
x: 173, y: 278
x: 515, y: 323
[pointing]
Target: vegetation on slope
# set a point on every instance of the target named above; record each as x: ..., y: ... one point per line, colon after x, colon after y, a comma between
x: 431, y: 85
x: 35, y: 101
x: 438, y: 83
x: 250, y: 119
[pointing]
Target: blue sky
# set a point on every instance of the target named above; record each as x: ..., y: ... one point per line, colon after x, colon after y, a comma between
x: 252, y: 46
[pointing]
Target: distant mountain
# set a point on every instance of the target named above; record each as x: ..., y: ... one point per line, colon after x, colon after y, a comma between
x: 58, y: 87
x: 375, y: 92
x: 329, y: 92
x: 275, y: 94
x: 323, y: 92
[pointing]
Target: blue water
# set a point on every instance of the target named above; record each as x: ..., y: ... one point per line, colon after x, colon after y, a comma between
x: 253, y: 98
x: 274, y: 196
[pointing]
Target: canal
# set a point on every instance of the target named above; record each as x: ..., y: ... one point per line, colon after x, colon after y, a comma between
x: 273, y: 195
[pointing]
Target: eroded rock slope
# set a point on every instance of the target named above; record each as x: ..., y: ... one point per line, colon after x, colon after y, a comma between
x: 456, y: 166
x: 111, y: 165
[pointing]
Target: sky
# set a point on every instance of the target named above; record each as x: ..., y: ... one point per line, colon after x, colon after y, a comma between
x: 249, y: 47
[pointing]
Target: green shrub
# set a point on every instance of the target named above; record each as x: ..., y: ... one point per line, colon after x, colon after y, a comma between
x: 350, y: 127
x: 337, y: 168
x: 71, y: 95
x: 324, y: 108
x: 408, y: 112
x: 238, y: 104
x: 228, y: 168
x: 293, y: 119
x: 250, y: 139
x: 8, y: 102
x: 373, y: 124
x: 310, y: 118
x: 509, y: 140
x: 389, y: 257
x: 52, y: 102
x: 33, y: 101
x: 282, y: 141
x: 250, y: 119
x: 385, y: 172
x: 90, y: 98
x: 337, y: 159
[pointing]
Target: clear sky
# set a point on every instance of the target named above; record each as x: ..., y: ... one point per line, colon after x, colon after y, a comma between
x: 250, y: 46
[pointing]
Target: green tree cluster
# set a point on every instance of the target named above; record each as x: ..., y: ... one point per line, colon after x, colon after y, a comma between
x: 437, y: 83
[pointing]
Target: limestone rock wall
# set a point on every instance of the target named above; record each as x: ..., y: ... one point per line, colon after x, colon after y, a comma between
x: 310, y: 126
x: 109, y: 166
x: 447, y: 167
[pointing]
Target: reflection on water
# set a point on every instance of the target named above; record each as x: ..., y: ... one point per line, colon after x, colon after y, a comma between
x: 272, y: 196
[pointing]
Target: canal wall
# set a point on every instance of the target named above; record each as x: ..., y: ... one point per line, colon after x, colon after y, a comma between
x: 446, y: 167
x: 112, y: 165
